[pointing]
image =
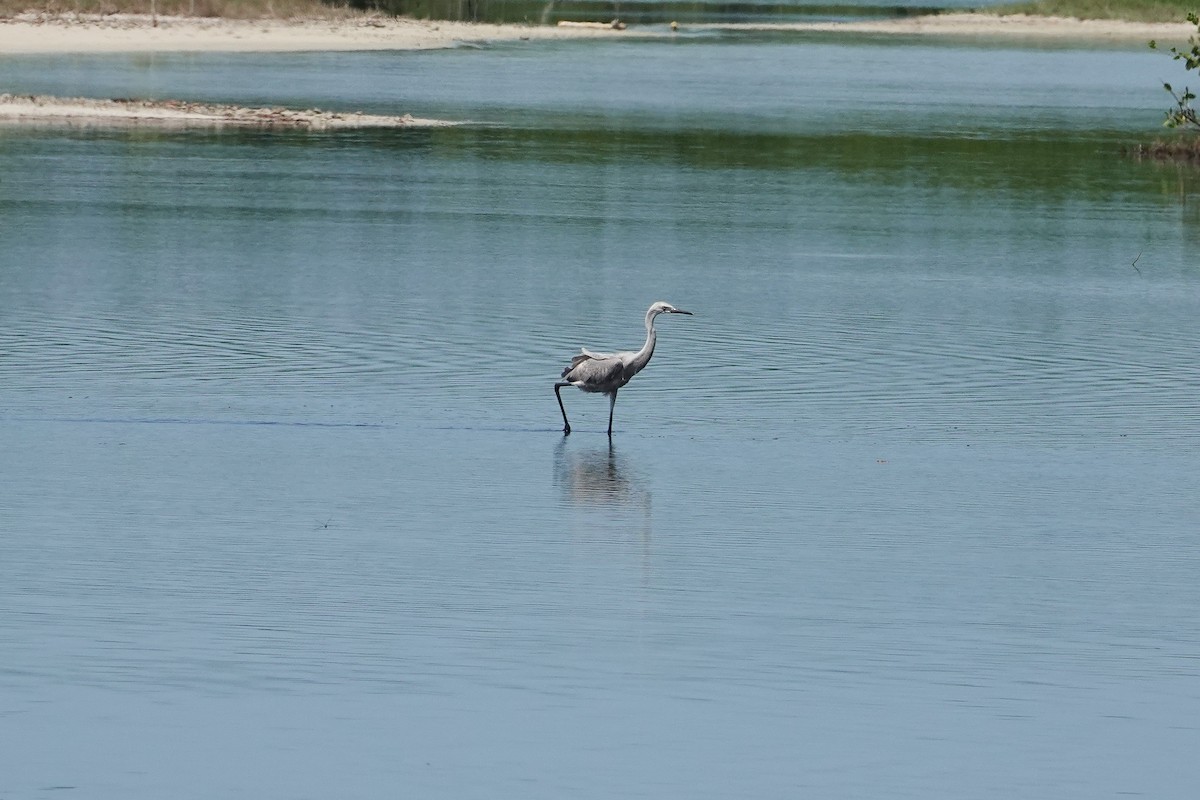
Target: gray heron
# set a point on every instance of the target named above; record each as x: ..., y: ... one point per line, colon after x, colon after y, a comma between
x: 607, y: 372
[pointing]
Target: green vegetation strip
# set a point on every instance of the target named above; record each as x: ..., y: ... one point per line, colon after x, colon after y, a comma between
x: 512, y: 10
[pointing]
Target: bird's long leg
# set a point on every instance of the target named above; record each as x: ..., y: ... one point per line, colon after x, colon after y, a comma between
x: 612, y: 403
x: 566, y: 425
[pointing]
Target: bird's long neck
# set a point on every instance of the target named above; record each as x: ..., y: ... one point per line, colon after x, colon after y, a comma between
x: 642, y: 357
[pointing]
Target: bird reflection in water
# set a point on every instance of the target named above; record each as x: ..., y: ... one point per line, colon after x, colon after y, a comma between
x: 596, y: 477
x: 610, y: 519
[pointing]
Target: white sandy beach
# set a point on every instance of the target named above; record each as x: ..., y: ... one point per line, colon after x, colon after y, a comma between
x: 118, y: 33
x: 30, y: 34
x: 131, y: 33
x: 993, y: 26
x: 84, y: 111
x: 139, y: 33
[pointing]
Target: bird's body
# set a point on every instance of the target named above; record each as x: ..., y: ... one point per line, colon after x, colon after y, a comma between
x: 605, y: 373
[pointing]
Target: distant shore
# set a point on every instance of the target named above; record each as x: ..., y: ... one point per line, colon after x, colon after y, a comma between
x: 117, y: 33
x: 994, y: 26
x: 138, y: 33
x: 33, y: 33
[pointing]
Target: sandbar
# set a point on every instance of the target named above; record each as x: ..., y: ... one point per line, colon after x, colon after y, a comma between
x: 32, y: 33
x: 116, y: 33
x: 90, y: 112
x: 138, y: 33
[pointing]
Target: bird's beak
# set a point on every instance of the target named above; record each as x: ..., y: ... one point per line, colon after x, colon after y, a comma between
x: 681, y: 311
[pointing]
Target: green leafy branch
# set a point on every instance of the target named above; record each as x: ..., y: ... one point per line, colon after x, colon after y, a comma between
x: 1183, y: 115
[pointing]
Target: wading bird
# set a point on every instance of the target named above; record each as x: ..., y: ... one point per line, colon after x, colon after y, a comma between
x: 607, y: 372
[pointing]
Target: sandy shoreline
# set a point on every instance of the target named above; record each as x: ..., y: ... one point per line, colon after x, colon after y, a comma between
x: 33, y: 34
x: 88, y: 112
x: 131, y: 33
x: 992, y: 26
x: 138, y: 33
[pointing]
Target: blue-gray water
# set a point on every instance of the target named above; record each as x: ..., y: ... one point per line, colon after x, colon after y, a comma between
x: 907, y: 510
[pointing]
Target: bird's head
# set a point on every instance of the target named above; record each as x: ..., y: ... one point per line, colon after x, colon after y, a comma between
x: 665, y: 308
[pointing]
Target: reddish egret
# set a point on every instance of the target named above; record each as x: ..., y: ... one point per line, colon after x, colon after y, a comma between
x: 607, y: 372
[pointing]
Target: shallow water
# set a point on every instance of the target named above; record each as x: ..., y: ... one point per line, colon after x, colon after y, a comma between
x: 905, y: 510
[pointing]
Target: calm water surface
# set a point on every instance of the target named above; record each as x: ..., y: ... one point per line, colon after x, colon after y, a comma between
x: 906, y: 510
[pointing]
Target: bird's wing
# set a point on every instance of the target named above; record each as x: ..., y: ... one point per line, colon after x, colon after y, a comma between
x: 589, y: 371
x: 588, y: 355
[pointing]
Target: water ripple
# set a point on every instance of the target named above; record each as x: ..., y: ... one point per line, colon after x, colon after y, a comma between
x: 871, y: 371
x: 928, y: 372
